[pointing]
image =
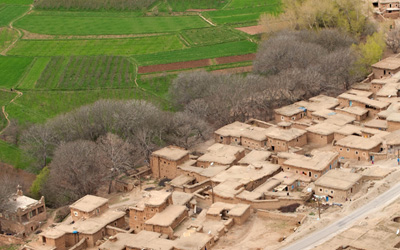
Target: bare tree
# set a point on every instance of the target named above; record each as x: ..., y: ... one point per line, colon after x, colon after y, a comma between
x: 393, y: 40
x: 8, y: 187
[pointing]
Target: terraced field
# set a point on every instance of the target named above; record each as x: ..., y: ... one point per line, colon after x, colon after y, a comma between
x: 62, y: 57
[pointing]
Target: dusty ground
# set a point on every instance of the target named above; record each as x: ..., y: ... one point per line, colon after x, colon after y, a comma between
x: 252, y: 30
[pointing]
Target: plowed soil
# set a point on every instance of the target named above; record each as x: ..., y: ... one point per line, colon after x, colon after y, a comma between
x: 252, y: 30
x: 233, y: 59
x: 174, y: 66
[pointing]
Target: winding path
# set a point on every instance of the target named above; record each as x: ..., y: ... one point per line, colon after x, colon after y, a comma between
x: 3, y: 108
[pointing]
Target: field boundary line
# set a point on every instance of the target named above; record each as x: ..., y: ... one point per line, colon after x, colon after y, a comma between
x: 183, y: 39
x: 27, y: 70
x: 205, y: 19
x: 3, y: 108
x: 20, y: 34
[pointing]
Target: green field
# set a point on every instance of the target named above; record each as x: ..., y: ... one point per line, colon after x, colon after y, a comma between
x: 12, y: 69
x: 237, y: 4
x: 214, y: 35
x: 29, y: 81
x: 90, y: 47
x: 37, y: 106
x: 22, y: 2
x: 248, y: 15
x: 83, y: 72
x: 13, y: 155
x: 157, y: 85
x: 197, y: 53
x: 5, y: 98
x: 11, y: 12
x: 182, y: 5
x: 67, y: 25
x: 7, y: 36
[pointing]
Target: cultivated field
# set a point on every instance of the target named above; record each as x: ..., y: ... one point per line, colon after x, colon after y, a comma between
x: 63, y: 54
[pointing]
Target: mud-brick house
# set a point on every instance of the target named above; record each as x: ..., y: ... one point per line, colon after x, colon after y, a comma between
x: 23, y: 215
x: 164, y: 162
x: 220, y: 155
x: 289, y: 113
x: 338, y: 185
x: 358, y: 148
x: 386, y: 67
x: 280, y: 139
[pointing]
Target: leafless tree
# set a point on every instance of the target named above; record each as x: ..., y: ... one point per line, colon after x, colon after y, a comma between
x: 8, y: 187
x: 393, y: 40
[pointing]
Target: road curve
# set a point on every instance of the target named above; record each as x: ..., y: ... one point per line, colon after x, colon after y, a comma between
x: 323, y: 235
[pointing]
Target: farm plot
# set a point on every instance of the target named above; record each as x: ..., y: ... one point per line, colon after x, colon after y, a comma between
x: 208, y: 36
x: 244, y: 15
x: 12, y: 69
x: 183, y: 5
x: 83, y: 72
x: 235, y: 4
x: 66, y: 25
x: 10, y: 12
x: 197, y: 53
x: 29, y: 81
x: 21, y: 2
x: 7, y: 36
x: 90, y: 47
x: 95, y: 4
x: 158, y: 85
x: 37, y: 106
x: 12, y: 155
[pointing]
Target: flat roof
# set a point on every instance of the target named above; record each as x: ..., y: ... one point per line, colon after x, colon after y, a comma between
x: 364, y: 100
x: 91, y: 225
x: 255, y: 156
x: 171, y: 153
x: 337, y: 179
x: 323, y: 128
x: 20, y: 201
x: 234, y: 129
x: 390, y: 63
x: 167, y: 216
x: 181, y: 180
x: 142, y: 240
x: 207, y: 172
x: 393, y: 108
x: 246, y: 174
x: 181, y: 198
x: 340, y: 119
x: 221, y: 154
x: 349, y: 129
x: 358, y: 142
x: 153, y: 198
x: 192, y: 240
x: 52, y: 233
x: 389, y: 90
x: 228, y: 188
x: 284, y: 134
x: 353, y: 110
x: 393, y: 117
x: 376, y: 123
x: 290, y: 110
x: 393, y: 138
x: 359, y: 92
x: 234, y: 209
x: 89, y: 203
x: 318, y: 161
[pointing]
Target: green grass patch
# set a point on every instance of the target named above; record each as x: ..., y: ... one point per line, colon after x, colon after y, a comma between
x: 67, y: 25
x: 12, y: 155
x: 197, y: 53
x: 37, y: 106
x: 94, y: 4
x: 235, y: 4
x: 21, y: 2
x: 11, y: 12
x: 12, y: 69
x: 90, y: 47
x: 158, y: 85
x: 29, y: 81
x: 7, y: 36
x: 208, y: 36
x: 182, y: 5
x: 245, y: 15
x: 84, y: 72
x: 98, y: 14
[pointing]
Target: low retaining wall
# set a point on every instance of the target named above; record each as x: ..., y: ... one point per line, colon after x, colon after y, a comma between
x: 293, y: 218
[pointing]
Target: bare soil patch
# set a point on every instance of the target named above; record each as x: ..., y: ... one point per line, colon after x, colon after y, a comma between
x: 252, y: 30
x: 236, y: 70
x: 26, y: 179
x: 174, y: 66
x: 233, y: 59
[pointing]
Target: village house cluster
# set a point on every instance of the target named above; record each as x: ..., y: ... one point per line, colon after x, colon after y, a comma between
x: 248, y: 167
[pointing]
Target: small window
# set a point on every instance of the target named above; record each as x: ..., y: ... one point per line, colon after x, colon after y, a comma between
x: 348, y: 150
x: 364, y: 154
x: 293, y: 118
x: 331, y: 191
x: 356, y: 152
x: 221, y: 137
x: 76, y: 213
x: 135, y: 218
x: 282, y: 117
x: 320, y: 189
x: 316, y: 176
x: 340, y: 149
x: 144, y: 218
x: 235, y: 140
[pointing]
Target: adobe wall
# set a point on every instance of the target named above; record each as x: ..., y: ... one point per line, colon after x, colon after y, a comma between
x: 277, y: 145
x: 338, y: 195
x: 164, y: 168
x: 375, y: 87
x: 298, y: 142
x: 283, y: 118
x: 393, y: 126
x: 222, y: 139
x: 81, y: 245
x: 319, y: 139
x: 253, y: 144
x: 357, y: 154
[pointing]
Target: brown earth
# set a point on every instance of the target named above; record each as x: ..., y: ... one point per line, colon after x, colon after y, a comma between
x: 26, y: 179
x: 252, y: 30
x: 233, y: 59
x: 174, y: 66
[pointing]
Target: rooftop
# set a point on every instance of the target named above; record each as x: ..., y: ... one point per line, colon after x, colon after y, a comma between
x: 234, y: 209
x: 171, y: 153
x: 359, y: 93
x: 234, y: 129
x: 89, y: 203
x: 167, y: 216
x: 393, y: 117
x: 152, y: 199
x: 364, y: 100
x: 376, y: 123
x: 318, y: 161
x: 323, y: 128
x: 221, y: 154
x: 354, y: 110
x: 290, y: 110
x: 337, y: 179
x: 340, y: 119
x: 192, y: 240
x: 20, y: 201
x: 391, y: 63
x: 181, y: 180
x: 255, y: 156
x: 228, y: 188
x: 284, y: 134
x: 349, y: 129
x: 142, y: 240
x: 358, y: 142
x: 244, y: 175
x: 181, y: 198
x: 393, y: 138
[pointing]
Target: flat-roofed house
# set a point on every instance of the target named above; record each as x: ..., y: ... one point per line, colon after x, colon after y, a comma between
x: 22, y: 215
x: 231, y: 133
x: 386, y: 67
x: 338, y: 185
x: 88, y: 206
x: 347, y: 130
x: 393, y: 122
x: 280, y: 139
x: 289, y: 113
x: 376, y: 124
x: 164, y: 162
x: 239, y: 213
x: 322, y: 133
x: 357, y: 147
x: 357, y: 112
x: 313, y: 166
x: 221, y: 154
x: 373, y: 106
x: 255, y: 156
